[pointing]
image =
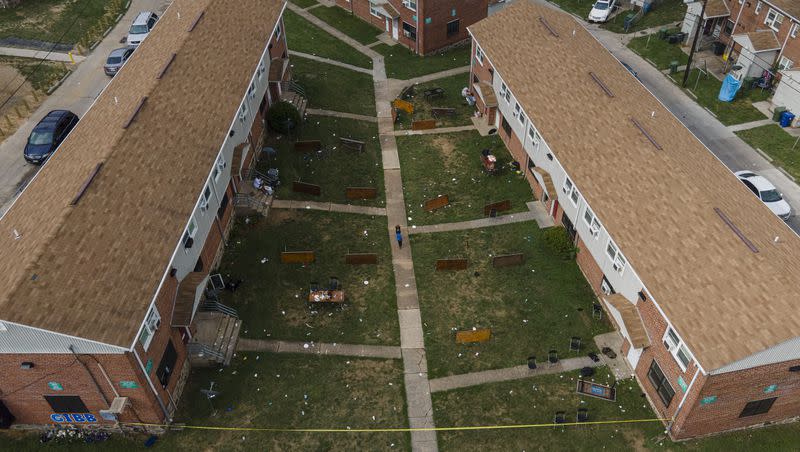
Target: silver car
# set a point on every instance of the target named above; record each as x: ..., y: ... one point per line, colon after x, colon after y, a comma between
x: 116, y: 59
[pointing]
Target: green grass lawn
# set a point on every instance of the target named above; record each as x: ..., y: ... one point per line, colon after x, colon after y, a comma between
x: 348, y: 24
x: 658, y: 51
x: 334, y: 88
x: 303, y: 36
x: 40, y: 74
x: 273, y: 299
x: 304, y: 3
x: 580, y: 8
x: 707, y: 91
x: 402, y: 64
x: 452, y: 99
x: 666, y: 12
x: 777, y: 143
x: 449, y: 164
x: 63, y: 21
x: 536, y: 400
x: 531, y: 308
x: 334, y: 170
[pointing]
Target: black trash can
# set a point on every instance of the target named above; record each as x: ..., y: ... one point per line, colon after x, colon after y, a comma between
x: 719, y: 48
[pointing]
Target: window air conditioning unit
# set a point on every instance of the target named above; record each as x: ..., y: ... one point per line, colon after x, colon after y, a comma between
x: 118, y: 405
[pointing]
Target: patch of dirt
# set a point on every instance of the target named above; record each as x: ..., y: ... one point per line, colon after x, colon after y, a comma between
x: 635, y: 439
x: 22, y: 101
x: 447, y: 148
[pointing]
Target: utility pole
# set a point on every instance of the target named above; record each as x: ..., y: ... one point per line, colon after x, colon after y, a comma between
x: 694, y: 43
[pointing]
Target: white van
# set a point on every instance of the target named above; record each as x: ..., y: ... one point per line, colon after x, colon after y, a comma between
x: 141, y: 27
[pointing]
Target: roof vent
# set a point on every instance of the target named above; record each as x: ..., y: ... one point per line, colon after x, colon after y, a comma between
x: 547, y: 25
x: 602, y: 85
x: 644, y: 132
x: 735, y: 230
x: 86, y: 184
x: 135, y: 112
x: 166, y: 66
x: 197, y: 20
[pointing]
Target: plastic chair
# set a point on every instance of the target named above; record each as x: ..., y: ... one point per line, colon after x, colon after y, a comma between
x: 560, y: 417
x: 575, y: 344
x: 583, y: 415
x: 597, y: 311
x: 552, y: 357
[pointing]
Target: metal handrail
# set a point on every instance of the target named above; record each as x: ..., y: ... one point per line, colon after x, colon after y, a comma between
x: 203, y: 350
x: 215, y: 306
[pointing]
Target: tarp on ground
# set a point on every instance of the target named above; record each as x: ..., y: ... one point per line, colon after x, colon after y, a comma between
x: 729, y: 88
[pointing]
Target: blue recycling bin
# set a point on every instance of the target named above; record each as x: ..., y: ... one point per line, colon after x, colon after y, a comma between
x: 786, y: 119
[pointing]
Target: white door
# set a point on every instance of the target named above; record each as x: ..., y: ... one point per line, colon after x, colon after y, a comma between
x: 394, y: 29
x: 633, y: 357
x: 388, y: 27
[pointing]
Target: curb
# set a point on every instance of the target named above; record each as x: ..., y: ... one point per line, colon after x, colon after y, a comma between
x: 712, y: 113
x: 58, y: 83
x: 786, y: 173
x: 765, y: 155
x: 694, y: 95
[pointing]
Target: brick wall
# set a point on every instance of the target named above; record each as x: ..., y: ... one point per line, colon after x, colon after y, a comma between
x: 749, y: 21
x: 277, y: 46
x: 441, y: 12
x: 733, y: 390
x: 589, y: 267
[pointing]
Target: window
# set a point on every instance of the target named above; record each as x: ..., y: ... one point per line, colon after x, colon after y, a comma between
x: 619, y: 263
x: 567, y: 185
x: 793, y: 30
x: 167, y: 365
x: 758, y: 7
x: 535, y: 138
x: 757, y: 407
x: 517, y: 110
x: 479, y: 56
x: 66, y: 404
x: 452, y: 28
x: 373, y: 10
x: 605, y: 286
x: 262, y: 67
x: 410, y: 4
x: 243, y: 112
x: 205, y: 198
x: 679, y: 351
x: 574, y: 196
x: 785, y: 63
x: 219, y: 167
x: 773, y: 19
x: 522, y: 118
x: 506, y: 127
x: 151, y: 324
x: 611, y: 250
x: 188, y: 236
x: 591, y: 220
x: 727, y: 29
x: 660, y: 383
x: 223, y: 205
x: 277, y: 31
x: 252, y: 90
x: 409, y: 31
x: 505, y: 93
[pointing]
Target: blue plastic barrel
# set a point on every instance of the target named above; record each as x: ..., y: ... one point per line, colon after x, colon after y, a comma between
x: 786, y: 119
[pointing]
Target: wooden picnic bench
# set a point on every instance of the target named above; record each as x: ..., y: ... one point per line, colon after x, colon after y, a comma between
x: 433, y: 93
x: 353, y: 145
x: 326, y: 296
x: 438, y: 112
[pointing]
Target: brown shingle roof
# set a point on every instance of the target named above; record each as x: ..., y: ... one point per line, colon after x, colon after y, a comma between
x: 764, y: 40
x: 91, y: 270
x: 716, y: 8
x: 726, y: 301
x: 790, y: 7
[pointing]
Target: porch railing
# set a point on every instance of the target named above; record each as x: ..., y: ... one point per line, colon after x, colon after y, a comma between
x: 204, y: 351
x: 216, y: 306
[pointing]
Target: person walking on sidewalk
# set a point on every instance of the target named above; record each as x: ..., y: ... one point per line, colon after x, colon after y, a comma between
x: 398, y: 235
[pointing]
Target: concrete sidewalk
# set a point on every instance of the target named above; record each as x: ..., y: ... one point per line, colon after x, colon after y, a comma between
x: 331, y: 62
x: 327, y: 207
x: 319, y: 348
x: 539, y: 215
x: 399, y: 133
x: 41, y: 55
x: 340, y: 114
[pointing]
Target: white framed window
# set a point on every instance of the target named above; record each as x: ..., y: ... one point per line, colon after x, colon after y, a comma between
x: 611, y: 250
x: 591, y: 220
x: 410, y: 4
x: 758, y: 7
x: 574, y: 196
x: 605, y: 287
x: 373, y: 10
x: 568, y: 185
x: 204, y: 198
x: 773, y: 19
x: 262, y: 68
x: 535, y: 137
x: 151, y: 324
x: 517, y: 110
x: 219, y: 167
x: 188, y: 236
x: 277, y: 31
x: 618, y: 262
x: 793, y: 30
x: 522, y: 118
x: 243, y: 112
x: 479, y: 55
x: 251, y: 92
x: 677, y: 348
x: 785, y: 63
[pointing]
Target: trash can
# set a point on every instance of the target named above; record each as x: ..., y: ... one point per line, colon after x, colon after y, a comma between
x: 776, y: 114
x: 673, y: 67
x: 719, y: 48
x: 786, y: 118
x: 629, y: 20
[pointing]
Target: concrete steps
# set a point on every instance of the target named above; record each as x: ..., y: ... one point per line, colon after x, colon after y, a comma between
x: 216, y: 338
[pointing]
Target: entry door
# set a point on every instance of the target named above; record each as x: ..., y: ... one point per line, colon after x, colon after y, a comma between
x: 394, y: 29
x: 633, y: 356
x: 388, y: 26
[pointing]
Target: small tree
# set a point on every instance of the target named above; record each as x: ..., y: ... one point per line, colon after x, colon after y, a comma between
x: 283, y: 116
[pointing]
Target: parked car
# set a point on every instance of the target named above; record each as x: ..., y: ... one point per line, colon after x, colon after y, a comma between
x: 601, y: 10
x: 766, y: 192
x: 116, y: 59
x: 48, y: 134
x: 141, y: 27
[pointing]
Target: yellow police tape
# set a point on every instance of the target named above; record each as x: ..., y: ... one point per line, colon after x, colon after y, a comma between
x: 389, y: 430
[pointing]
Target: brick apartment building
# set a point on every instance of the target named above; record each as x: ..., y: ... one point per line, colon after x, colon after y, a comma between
x: 698, y: 276
x: 423, y: 26
x: 759, y: 34
x: 106, y: 253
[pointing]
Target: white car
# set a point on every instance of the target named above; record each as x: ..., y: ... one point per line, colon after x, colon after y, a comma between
x: 141, y: 27
x: 766, y: 192
x: 601, y: 10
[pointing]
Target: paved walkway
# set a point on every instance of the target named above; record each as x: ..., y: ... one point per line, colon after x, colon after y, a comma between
x: 319, y: 348
x: 40, y: 55
x: 335, y: 32
x: 538, y: 214
x: 327, y: 206
x: 340, y: 114
x: 434, y: 131
x: 751, y: 125
x: 331, y: 62
x: 510, y: 373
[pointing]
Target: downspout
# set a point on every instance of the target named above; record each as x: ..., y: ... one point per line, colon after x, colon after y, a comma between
x: 733, y: 30
x: 680, y: 405
x: 152, y: 387
x: 91, y: 375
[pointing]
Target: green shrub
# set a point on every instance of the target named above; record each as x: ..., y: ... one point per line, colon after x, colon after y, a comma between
x: 559, y: 242
x: 283, y: 116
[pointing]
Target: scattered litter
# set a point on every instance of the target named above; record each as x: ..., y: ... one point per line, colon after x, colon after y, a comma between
x: 366, y: 283
x: 264, y: 260
x: 305, y: 346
